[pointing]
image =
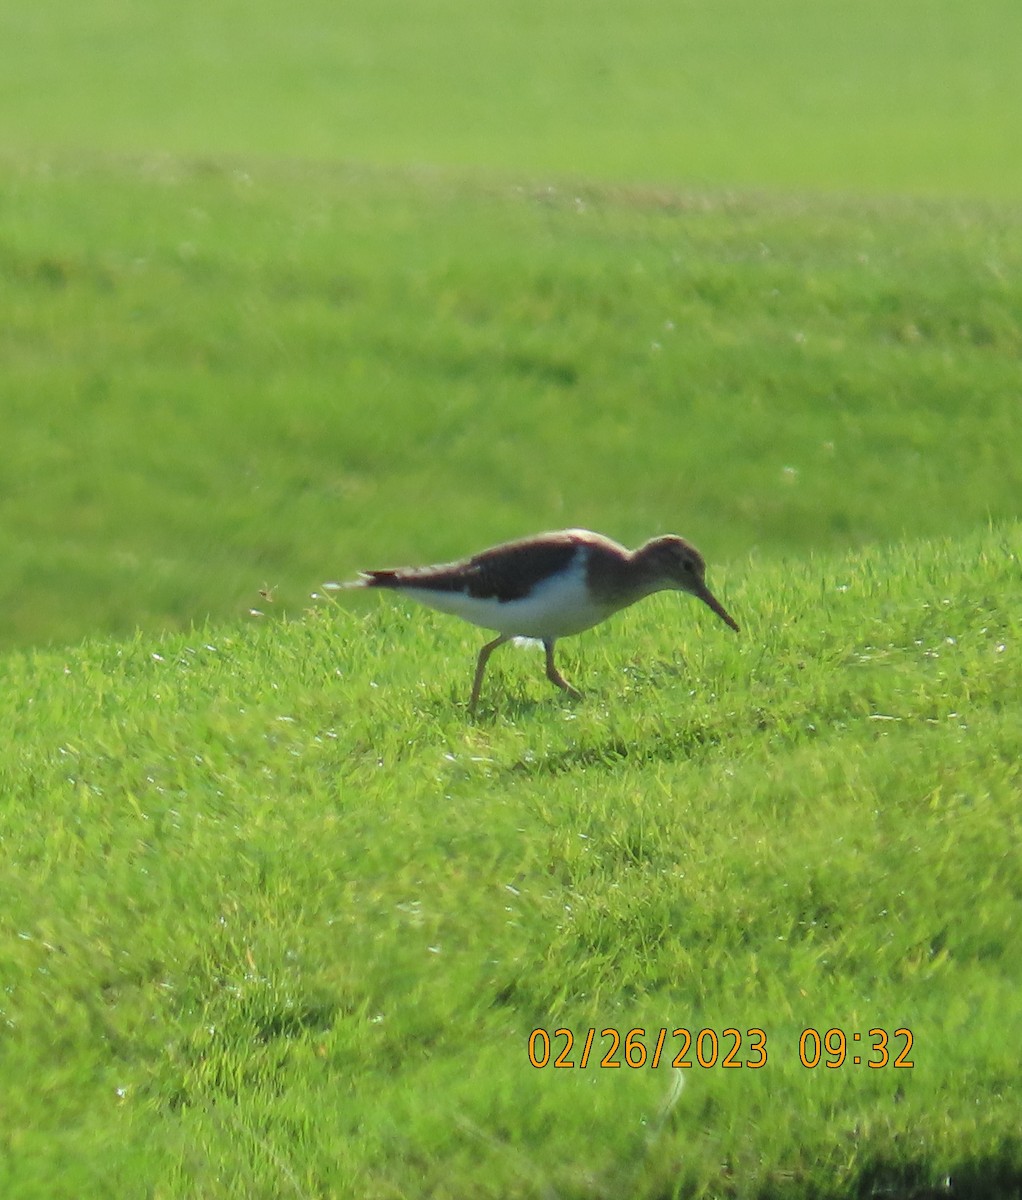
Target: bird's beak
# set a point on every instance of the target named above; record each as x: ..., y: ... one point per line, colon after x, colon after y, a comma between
x: 709, y: 599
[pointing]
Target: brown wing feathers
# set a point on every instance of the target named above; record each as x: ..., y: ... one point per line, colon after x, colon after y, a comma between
x: 506, y: 572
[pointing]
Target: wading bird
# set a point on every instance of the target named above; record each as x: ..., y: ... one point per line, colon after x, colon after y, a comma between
x: 549, y: 586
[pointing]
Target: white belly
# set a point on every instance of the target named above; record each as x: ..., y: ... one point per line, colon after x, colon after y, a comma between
x: 559, y: 607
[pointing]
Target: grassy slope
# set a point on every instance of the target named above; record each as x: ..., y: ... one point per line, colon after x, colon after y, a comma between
x: 219, y: 376
x: 277, y: 920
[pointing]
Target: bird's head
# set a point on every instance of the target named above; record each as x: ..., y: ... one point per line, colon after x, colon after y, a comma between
x: 670, y: 562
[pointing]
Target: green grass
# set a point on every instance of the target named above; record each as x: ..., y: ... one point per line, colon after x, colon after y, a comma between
x: 918, y: 96
x: 288, y: 292
x: 220, y: 376
x: 278, y: 919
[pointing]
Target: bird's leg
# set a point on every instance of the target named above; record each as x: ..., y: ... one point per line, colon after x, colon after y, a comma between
x: 484, y: 656
x: 552, y: 672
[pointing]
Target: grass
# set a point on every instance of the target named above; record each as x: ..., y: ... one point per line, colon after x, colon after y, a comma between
x: 287, y: 293
x: 919, y: 96
x: 279, y: 920
x: 220, y: 376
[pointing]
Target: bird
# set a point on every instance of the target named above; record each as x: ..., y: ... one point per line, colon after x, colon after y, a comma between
x: 549, y: 586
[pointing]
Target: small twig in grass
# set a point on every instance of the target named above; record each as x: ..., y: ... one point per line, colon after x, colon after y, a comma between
x: 666, y: 1108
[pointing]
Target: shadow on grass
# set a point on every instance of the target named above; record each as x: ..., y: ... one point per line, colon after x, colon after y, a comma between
x: 996, y: 1176
x: 615, y: 751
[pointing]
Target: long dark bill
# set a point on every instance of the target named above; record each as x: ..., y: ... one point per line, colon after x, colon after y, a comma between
x: 709, y: 599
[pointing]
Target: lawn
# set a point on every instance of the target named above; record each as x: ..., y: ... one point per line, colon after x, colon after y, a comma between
x: 221, y: 379
x: 922, y: 96
x: 278, y: 919
x: 284, y: 294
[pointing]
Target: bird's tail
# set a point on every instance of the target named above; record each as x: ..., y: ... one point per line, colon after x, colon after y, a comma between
x: 367, y: 579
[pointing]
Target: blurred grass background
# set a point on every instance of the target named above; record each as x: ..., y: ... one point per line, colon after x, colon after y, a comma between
x: 288, y: 292
x: 222, y: 379
x: 919, y: 96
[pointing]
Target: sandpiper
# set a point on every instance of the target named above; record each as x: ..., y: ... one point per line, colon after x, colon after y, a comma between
x: 550, y: 586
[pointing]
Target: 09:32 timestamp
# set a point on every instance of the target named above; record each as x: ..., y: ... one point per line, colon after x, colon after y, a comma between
x: 836, y: 1048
